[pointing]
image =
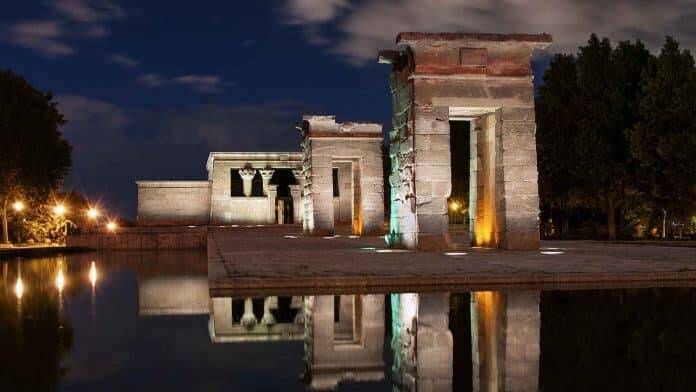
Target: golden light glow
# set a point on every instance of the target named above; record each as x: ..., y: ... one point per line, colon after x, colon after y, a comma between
x: 60, y: 280
x: 93, y: 274
x: 59, y: 209
x: 454, y: 206
x: 18, y: 206
x: 19, y: 288
x: 92, y: 213
x: 111, y: 226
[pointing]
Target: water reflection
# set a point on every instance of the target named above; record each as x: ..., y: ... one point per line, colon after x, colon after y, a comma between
x: 479, y: 341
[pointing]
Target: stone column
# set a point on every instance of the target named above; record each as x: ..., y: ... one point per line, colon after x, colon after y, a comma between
x: 247, y: 175
x: 272, y: 196
x: 266, y: 175
x: 248, y: 318
x: 268, y: 304
x: 296, y: 193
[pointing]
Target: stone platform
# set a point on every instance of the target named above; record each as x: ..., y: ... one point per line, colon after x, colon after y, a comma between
x: 278, y: 260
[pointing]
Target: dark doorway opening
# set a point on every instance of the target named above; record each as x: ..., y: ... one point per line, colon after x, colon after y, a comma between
x: 458, y: 203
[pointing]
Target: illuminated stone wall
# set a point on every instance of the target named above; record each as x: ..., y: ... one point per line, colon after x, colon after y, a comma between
x: 225, y: 208
x: 482, y: 78
x: 173, y: 202
x: 327, y: 144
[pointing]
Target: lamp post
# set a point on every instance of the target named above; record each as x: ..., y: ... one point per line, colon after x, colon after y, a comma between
x: 18, y: 207
x: 92, y: 215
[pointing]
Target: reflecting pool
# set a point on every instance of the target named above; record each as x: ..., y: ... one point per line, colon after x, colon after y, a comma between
x: 145, y: 321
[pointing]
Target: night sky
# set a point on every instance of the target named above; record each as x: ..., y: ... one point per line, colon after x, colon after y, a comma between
x: 150, y: 87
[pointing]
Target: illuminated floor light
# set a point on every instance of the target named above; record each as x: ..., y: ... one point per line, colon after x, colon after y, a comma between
x: 222, y: 226
x: 289, y: 236
x: 368, y: 248
x: 191, y: 226
x: 353, y: 236
x: 260, y: 225
x: 392, y: 250
x: 248, y: 226
x: 552, y: 253
x: 234, y: 226
x: 455, y: 253
x: 553, y: 248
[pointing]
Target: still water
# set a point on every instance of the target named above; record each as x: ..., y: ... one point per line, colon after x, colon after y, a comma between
x: 145, y: 321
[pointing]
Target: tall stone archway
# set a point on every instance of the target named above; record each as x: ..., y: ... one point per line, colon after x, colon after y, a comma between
x: 485, y: 79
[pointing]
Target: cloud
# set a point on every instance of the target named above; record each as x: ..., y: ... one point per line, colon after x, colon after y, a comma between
x: 115, y: 145
x: 40, y: 35
x: 207, y: 84
x: 314, y: 11
x: 361, y: 29
x: 124, y: 60
x: 88, y: 11
x: 69, y: 19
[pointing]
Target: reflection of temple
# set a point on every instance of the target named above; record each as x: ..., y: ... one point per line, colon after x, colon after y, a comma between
x: 256, y: 319
x: 505, y: 340
x: 344, y: 339
x: 422, y: 342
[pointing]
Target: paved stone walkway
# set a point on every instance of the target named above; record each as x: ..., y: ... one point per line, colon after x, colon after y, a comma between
x: 278, y: 259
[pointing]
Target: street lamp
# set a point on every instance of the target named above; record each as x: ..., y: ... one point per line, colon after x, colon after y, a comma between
x: 59, y: 209
x: 92, y: 213
x: 111, y: 226
x: 18, y: 206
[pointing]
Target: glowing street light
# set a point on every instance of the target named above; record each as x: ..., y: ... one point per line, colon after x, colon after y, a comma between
x: 59, y: 209
x: 18, y: 206
x: 111, y: 226
x: 92, y: 213
x: 454, y: 206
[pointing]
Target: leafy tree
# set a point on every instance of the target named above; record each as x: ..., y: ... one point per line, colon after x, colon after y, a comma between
x: 585, y: 107
x: 663, y: 141
x: 35, y: 157
x: 556, y: 109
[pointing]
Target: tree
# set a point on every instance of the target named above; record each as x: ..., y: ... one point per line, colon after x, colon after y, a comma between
x: 35, y: 157
x: 585, y: 107
x: 663, y: 141
x: 556, y: 110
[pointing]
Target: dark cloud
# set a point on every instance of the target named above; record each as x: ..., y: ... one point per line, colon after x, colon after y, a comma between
x: 123, y: 59
x: 206, y: 84
x: 115, y: 145
x: 360, y: 29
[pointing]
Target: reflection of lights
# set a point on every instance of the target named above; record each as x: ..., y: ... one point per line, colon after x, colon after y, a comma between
x: 59, y: 209
x: 455, y: 253
x: 18, y: 206
x: 60, y: 280
x: 552, y: 253
x: 92, y: 213
x: 93, y: 274
x: 19, y: 288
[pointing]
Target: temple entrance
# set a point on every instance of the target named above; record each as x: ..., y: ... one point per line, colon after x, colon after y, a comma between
x: 346, y: 196
x: 284, y: 207
x: 458, y: 202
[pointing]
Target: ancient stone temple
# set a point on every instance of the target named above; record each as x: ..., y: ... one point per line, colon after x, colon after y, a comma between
x: 342, y: 174
x: 481, y: 83
x: 242, y: 187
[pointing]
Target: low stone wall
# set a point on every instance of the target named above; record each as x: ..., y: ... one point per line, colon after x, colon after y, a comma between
x: 143, y: 238
x: 173, y: 203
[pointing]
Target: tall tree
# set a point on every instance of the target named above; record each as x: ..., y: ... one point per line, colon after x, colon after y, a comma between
x: 586, y: 106
x: 664, y: 139
x: 35, y: 157
x: 556, y: 110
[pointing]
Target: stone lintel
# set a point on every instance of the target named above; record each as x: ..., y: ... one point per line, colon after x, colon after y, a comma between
x: 173, y: 184
x: 486, y: 54
x: 315, y: 126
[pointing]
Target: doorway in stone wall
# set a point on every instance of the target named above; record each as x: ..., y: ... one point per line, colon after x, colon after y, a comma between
x: 345, y: 178
x: 283, y: 178
x: 458, y: 202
